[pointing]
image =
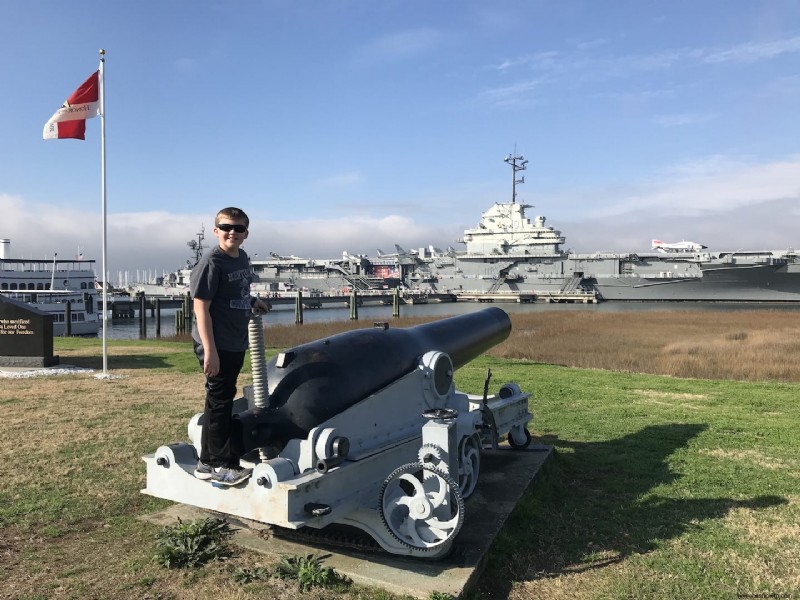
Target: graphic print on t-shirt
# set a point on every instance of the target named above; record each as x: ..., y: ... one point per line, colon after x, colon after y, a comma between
x: 244, y: 277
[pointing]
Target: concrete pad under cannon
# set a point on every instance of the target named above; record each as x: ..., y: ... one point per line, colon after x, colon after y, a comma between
x: 505, y: 476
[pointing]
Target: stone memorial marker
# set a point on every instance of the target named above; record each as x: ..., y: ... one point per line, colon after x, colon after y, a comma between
x: 26, y: 335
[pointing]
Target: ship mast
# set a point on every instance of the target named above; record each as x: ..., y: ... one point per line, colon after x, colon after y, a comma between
x: 518, y: 163
x: 197, y: 247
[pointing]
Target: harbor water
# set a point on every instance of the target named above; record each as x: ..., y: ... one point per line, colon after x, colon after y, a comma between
x: 129, y: 328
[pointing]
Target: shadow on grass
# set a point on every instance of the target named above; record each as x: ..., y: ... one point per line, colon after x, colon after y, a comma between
x: 122, y: 361
x: 600, y: 503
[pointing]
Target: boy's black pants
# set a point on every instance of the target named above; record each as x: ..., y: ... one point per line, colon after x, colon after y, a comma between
x: 220, y: 442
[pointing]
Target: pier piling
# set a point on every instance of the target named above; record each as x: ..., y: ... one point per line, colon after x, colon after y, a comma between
x: 396, y: 303
x: 158, y: 317
x: 142, y: 316
x: 298, y: 309
x: 354, y: 305
x: 68, y: 318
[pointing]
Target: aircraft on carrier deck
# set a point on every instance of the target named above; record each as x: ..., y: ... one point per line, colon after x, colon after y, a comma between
x: 677, y: 246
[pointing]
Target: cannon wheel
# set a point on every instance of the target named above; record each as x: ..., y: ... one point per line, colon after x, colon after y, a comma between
x: 469, y: 464
x: 512, y: 440
x: 415, y: 508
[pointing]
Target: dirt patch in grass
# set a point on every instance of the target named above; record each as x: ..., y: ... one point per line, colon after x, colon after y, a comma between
x: 769, y: 527
x: 756, y: 458
x: 668, y: 399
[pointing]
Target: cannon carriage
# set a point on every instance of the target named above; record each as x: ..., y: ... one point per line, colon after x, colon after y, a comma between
x: 365, y: 429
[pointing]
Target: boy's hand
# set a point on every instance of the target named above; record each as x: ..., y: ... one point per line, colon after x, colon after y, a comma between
x: 211, y: 363
x: 260, y: 306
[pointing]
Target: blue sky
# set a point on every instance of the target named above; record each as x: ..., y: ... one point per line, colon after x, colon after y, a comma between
x: 357, y: 124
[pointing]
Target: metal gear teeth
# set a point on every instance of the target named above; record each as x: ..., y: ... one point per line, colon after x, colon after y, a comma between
x: 429, y: 450
x: 455, y: 497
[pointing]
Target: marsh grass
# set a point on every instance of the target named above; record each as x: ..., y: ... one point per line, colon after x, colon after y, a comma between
x: 662, y: 487
x: 753, y: 345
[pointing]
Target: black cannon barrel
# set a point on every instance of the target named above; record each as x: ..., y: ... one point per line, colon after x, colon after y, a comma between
x: 313, y: 382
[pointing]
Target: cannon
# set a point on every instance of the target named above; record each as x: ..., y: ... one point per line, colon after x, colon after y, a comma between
x: 365, y: 429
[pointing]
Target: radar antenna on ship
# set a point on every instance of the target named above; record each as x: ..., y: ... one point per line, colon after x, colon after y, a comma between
x: 518, y: 163
x: 197, y: 248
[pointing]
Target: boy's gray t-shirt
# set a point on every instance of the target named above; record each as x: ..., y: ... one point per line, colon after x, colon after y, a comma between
x: 226, y: 282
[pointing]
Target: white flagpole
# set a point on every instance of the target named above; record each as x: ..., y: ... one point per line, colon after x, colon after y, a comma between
x: 103, y: 186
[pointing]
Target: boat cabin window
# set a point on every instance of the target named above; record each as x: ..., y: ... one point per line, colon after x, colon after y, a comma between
x: 39, y: 286
x: 31, y: 286
x: 13, y: 286
x: 83, y: 285
x: 4, y: 286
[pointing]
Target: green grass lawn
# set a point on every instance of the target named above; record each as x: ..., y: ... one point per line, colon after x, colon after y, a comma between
x: 660, y: 487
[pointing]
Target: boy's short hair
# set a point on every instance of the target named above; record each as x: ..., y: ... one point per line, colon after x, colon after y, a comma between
x: 232, y: 213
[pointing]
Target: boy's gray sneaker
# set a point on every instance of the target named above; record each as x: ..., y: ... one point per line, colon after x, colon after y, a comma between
x: 203, y: 471
x: 230, y: 475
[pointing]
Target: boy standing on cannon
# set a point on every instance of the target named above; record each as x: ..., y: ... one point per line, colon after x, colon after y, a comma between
x: 220, y: 289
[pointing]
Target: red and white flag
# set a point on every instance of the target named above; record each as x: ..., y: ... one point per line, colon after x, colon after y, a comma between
x: 70, y: 120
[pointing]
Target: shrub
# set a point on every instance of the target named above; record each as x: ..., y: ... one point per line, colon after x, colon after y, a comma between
x: 245, y: 575
x: 308, y: 571
x: 192, y: 544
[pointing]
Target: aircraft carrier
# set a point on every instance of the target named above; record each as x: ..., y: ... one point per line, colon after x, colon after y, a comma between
x: 506, y: 252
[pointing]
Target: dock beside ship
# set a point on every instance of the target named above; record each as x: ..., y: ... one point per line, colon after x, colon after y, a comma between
x: 384, y: 298
x: 131, y: 306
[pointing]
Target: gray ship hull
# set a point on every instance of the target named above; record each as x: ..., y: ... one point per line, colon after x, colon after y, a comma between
x: 758, y: 283
x: 698, y: 282
x: 759, y: 278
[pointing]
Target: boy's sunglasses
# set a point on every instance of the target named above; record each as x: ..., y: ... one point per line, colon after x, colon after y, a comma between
x: 226, y: 227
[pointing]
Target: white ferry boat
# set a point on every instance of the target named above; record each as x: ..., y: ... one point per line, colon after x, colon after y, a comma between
x: 63, y: 288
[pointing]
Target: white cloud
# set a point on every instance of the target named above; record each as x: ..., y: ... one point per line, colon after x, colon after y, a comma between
x: 537, y: 61
x: 510, y: 95
x: 769, y: 225
x: 341, y: 180
x: 592, y: 44
x: 399, y: 46
x: 782, y: 87
x: 157, y: 240
x: 713, y: 165
x: 724, y: 202
x: 186, y: 65
x: 751, y: 52
x: 154, y: 239
x: 586, y: 66
x: 680, y: 120
x: 320, y: 238
x: 716, y: 185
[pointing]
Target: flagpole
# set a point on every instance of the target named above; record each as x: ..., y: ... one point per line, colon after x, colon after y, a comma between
x: 103, y: 187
